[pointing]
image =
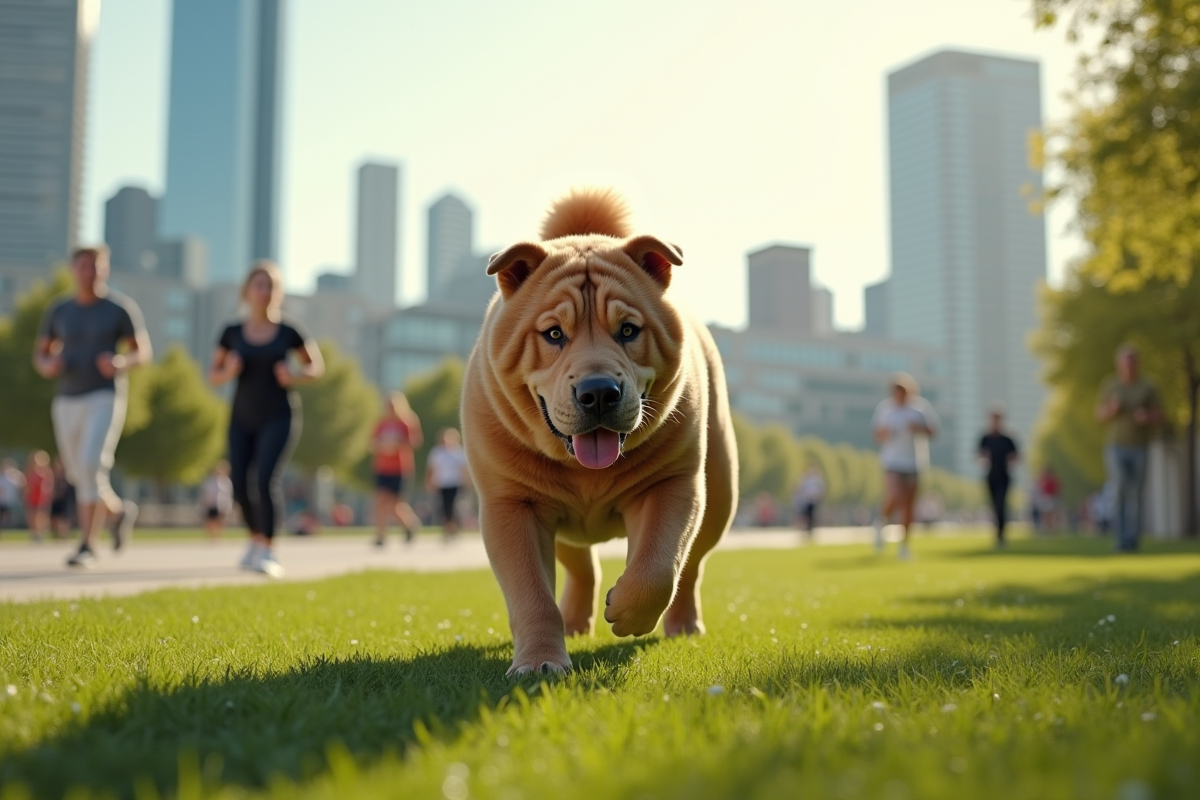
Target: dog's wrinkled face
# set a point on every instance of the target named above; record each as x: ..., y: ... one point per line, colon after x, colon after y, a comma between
x: 585, y: 342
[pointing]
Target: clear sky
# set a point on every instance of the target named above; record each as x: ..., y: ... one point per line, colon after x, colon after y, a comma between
x: 727, y: 125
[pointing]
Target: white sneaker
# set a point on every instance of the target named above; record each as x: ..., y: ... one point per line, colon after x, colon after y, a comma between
x: 267, y: 565
x: 905, y: 554
x: 252, y: 557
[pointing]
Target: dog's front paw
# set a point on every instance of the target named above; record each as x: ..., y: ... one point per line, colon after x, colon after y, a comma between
x: 634, y: 606
x: 546, y: 660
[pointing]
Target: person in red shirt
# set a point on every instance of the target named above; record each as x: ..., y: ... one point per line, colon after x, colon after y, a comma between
x: 396, y: 436
x: 1048, y: 489
x: 39, y: 491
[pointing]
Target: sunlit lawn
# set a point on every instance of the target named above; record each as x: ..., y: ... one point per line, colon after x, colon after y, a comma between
x: 1054, y: 670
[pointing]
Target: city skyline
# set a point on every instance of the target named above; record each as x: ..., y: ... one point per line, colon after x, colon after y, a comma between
x: 800, y: 157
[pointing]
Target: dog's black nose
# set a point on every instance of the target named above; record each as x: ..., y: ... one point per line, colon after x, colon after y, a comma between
x: 597, y: 394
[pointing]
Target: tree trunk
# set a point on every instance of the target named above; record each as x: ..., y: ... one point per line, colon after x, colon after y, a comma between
x: 1190, y: 527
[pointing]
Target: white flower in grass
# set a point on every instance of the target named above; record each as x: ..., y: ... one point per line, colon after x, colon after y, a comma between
x: 11, y: 690
x: 195, y: 620
x: 946, y: 709
x: 1122, y: 679
x: 1148, y: 716
x: 716, y: 690
x: 879, y: 705
x: 1111, y: 618
x: 454, y: 787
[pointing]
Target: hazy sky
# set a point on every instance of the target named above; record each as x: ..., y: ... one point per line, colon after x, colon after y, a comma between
x: 727, y: 125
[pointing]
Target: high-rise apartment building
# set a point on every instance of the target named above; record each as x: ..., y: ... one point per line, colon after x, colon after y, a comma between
x: 967, y: 252
x: 224, y: 130
x: 451, y: 242
x: 375, y: 262
x: 780, y: 289
x: 131, y: 229
x: 875, y: 310
x: 44, y: 50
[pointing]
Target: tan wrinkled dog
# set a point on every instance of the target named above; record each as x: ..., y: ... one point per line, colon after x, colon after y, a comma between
x: 594, y: 408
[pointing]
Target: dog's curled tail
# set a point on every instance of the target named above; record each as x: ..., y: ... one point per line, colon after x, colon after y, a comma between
x: 585, y: 211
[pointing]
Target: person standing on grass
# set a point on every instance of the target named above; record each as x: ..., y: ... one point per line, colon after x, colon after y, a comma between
x: 446, y: 472
x: 998, y: 451
x: 807, y: 497
x: 12, y: 482
x: 1130, y: 406
x: 396, y: 437
x: 79, y: 344
x: 216, y: 496
x: 39, y: 490
x: 264, y: 422
x: 903, y: 425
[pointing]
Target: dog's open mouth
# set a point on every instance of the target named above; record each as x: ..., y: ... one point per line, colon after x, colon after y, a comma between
x: 595, y: 449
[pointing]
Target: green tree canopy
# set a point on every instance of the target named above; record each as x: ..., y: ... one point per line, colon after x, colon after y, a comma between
x: 340, y: 411
x: 185, y: 434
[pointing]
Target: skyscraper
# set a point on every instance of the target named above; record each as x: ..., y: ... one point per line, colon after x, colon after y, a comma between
x: 43, y: 115
x: 131, y: 229
x: 451, y: 242
x: 875, y: 310
x: 375, y: 263
x: 223, y: 141
x: 967, y: 253
x: 780, y: 289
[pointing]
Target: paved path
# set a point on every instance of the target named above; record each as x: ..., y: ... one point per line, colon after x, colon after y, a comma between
x: 31, y: 572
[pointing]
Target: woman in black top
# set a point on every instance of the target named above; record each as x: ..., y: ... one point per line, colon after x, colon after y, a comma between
x: 265, y: 419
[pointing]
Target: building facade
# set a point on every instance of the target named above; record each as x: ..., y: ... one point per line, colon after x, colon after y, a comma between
x: 224, y: 130
x: 44, y: 49
x: 780, y: 289
x: 131, y: 229
x: 875, y: 310
x: 967, y: 252
x: 376, y: 234
x: 451, y: 243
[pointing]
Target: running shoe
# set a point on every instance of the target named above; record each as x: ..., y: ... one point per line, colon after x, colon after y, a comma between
x: 409, y: 536
x: 267, y: 565
x: 252, y: 557
x: 122, y: 527
x: 84, y: 558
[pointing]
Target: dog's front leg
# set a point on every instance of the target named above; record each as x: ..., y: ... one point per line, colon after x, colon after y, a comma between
x: 660, y: 524
x: 519, y: 537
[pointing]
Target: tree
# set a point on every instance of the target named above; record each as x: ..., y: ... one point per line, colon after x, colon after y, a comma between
x: 340, y: 411
x: 1130, y: 154
x: 26, y: 396
x: 185, y: 434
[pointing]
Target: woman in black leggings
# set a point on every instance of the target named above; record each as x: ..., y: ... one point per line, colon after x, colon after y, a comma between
x: 265, y: 419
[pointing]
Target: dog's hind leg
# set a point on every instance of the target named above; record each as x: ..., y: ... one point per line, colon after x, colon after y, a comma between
x: 581, y: 590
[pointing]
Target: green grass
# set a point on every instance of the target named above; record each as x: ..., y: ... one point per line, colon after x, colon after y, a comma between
x: 826, y: 673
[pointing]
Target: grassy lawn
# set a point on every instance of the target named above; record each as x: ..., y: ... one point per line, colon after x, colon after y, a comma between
x: 1053, y: 670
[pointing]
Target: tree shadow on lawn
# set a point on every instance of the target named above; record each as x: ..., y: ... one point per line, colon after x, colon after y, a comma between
x: 251, y: 727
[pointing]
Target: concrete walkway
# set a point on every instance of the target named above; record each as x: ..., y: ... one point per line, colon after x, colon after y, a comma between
x: 37, y: 571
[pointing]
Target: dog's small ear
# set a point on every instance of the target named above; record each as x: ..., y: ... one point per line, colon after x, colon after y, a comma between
x: 654, y: 256
x: 515, y: 264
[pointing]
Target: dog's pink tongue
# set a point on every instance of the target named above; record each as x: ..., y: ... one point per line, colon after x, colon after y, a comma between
x: 598, y: 449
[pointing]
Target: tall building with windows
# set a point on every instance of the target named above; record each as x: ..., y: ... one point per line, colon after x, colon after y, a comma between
x: 44, y: 51
x: 967, y: 251
x: 375, y: 260
x: 780, y: 289
x: 875, y: 310
x: 131, y: 229
x: 224, y: 130
x: 451, y: 243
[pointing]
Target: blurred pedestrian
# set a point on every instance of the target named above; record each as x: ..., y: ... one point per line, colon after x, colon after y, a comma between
x: 264, y: 422
x: 12, y: 483
x: 807, y: 497
x: 39, y: 492
x: 61, y: 501
x: 446, y: 473
x: 79, y: 344
x: 396, y: 437
x: 999, y: 452
x: 1047, y: 499
x: 903, y: 424
x: 216, y: 497
x: 1130, y: 405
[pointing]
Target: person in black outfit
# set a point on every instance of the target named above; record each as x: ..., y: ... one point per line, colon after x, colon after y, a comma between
x: 265, y: 419
x: 999, y: 452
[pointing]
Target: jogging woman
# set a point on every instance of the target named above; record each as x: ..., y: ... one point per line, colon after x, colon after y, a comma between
x: 395, y: 438
x: 265, y: 419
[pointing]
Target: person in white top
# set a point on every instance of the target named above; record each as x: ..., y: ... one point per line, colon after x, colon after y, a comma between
x: 808, y: 495
x: 216, y: 496
x: 903, y: 425
x: 446, y: 471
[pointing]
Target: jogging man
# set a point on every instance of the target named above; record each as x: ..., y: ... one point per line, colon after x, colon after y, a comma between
x: 88, y: 342
x: 998, y: 451
x: 903, y: 424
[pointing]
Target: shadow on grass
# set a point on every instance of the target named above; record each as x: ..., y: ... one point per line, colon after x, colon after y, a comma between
x: 248, y: 728
x: 1081, y: 547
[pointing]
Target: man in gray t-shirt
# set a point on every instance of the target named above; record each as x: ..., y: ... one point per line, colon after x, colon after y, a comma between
x: 78, y: 345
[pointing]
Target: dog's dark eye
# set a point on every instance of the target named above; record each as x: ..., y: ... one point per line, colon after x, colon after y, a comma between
x: 555, y: 336
x: 628, y: 332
